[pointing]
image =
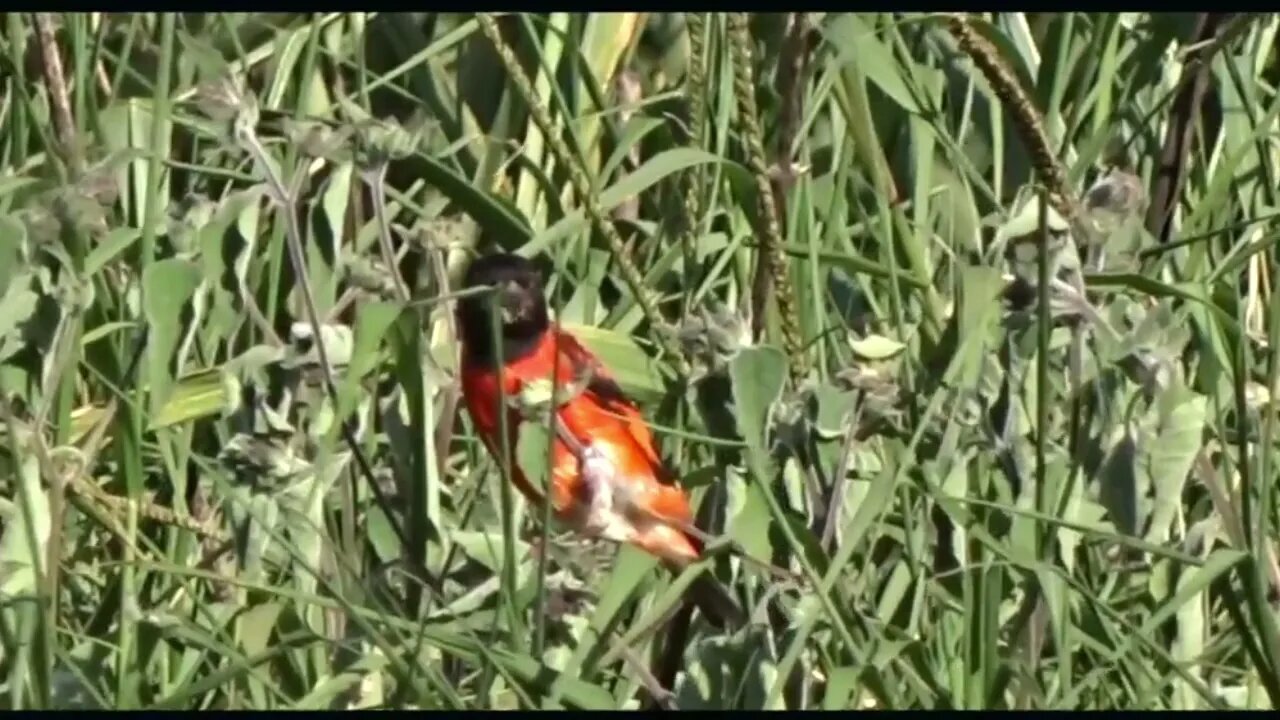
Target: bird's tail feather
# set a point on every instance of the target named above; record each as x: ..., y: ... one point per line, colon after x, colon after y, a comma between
x: 714, y: 600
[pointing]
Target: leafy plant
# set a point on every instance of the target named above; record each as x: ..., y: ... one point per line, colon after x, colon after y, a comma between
x: 958, y: 328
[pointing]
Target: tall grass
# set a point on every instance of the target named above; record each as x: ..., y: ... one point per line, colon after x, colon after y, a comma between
x: 962, y: 323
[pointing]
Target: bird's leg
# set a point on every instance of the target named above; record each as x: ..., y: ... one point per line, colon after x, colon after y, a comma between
x: 598, y: 473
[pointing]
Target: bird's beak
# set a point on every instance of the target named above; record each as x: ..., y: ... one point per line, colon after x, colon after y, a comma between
x: 511, y: 301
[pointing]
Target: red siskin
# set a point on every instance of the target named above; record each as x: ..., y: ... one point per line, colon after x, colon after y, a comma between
x: 608, y: 479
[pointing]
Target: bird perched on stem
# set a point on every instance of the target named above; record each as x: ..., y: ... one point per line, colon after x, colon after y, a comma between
x: 607, y: 478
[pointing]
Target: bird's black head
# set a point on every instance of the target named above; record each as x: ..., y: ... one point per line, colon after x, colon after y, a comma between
x: 522, y: 310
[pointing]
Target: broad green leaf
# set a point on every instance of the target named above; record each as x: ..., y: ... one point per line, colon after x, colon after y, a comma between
x: 166, y: 287
x: 1167, y: 457
x: 486, y: 547
x: 13, y: 239
x: 17, y: 304
x: 629, y: 364
x: 757, y: 375
x: 979, y: 310
x: 834, y: 407
x: 748, y: 519
x: 116, y: 242
x: 373, y: 321
x: 24, y: 537
x: 194, y: 396
x: 841, y: 683
x: 1025, y: 219
x: 875, y: 347
x: 859, y: 44
x: 381, y: 534
x: 256, y: 626
x: 533, y: 444
x: 1193, y: 620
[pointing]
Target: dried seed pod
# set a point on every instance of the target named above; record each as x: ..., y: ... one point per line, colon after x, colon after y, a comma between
x: 711, y: 337
x: 256, y: 458
x: 1113, y: 199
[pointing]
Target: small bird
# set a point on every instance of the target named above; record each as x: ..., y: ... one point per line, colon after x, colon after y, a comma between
x: 607, y: 477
